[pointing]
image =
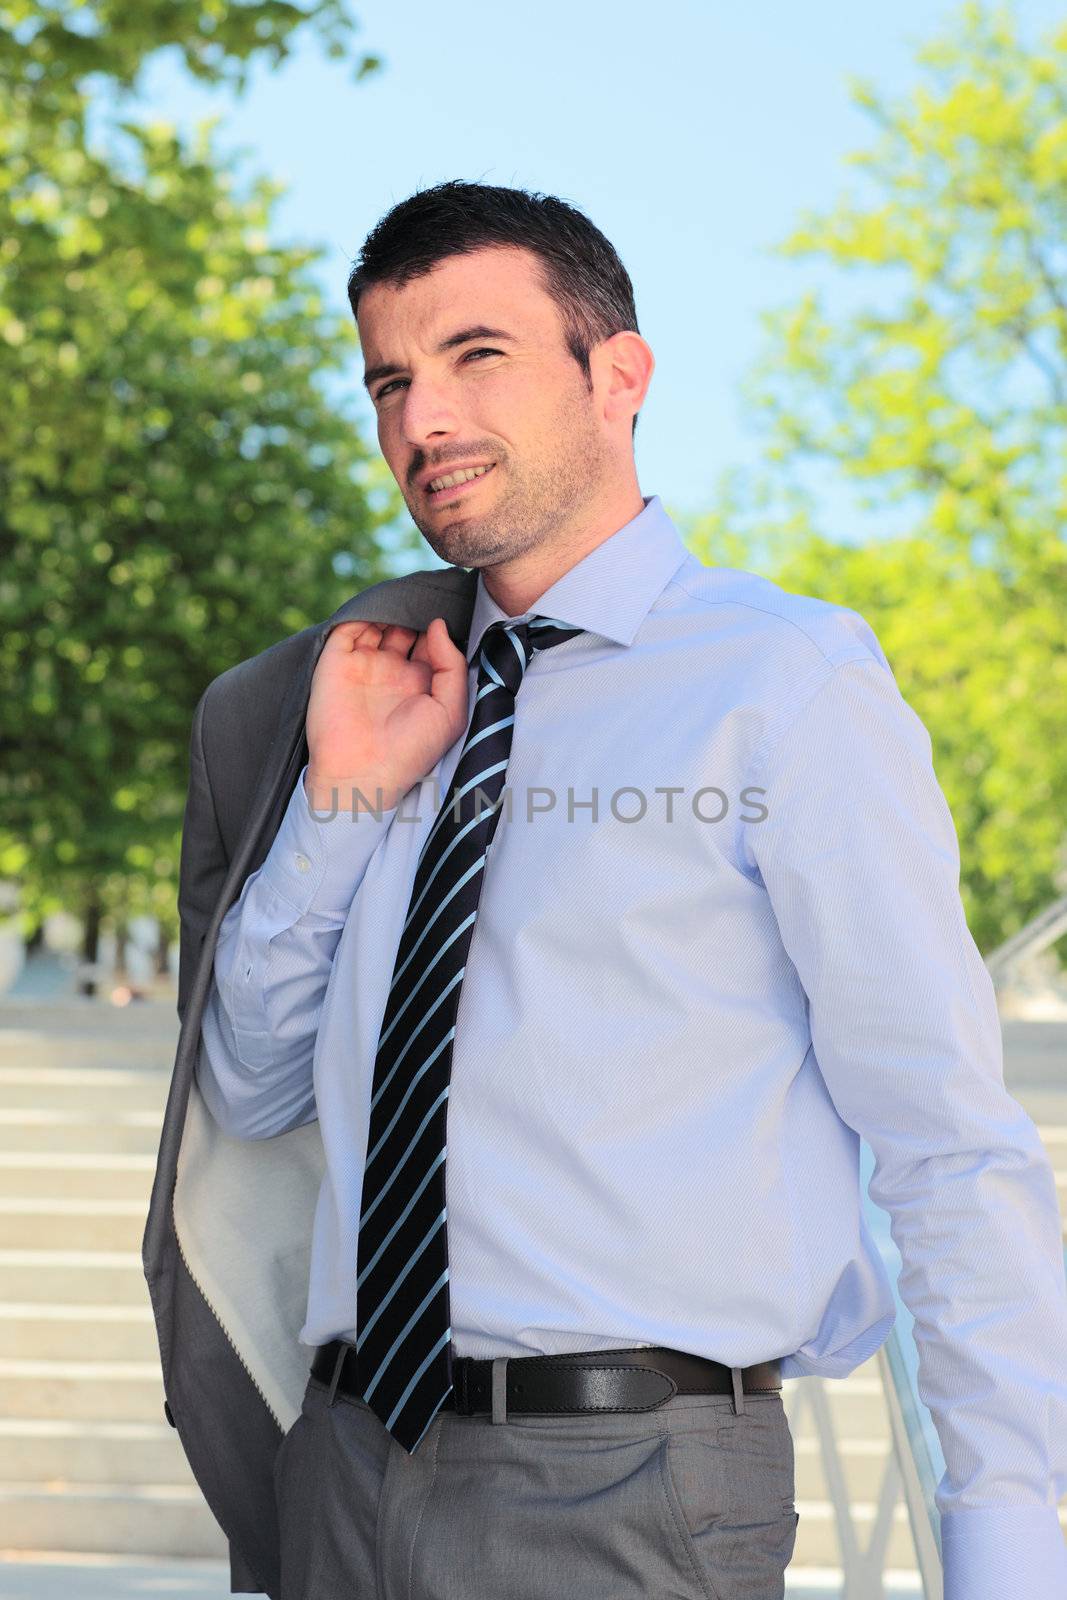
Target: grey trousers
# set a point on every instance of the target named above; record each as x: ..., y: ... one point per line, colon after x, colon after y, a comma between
x: 686, y: 1502
x: 683, y: 1503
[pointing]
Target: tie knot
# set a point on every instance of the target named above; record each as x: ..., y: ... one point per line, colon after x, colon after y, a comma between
x: 507, y: 648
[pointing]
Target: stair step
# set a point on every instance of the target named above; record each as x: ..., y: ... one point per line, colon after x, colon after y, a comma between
x: 51, y: 1032
x: 135, y: 1518
x: 71, y: 1332
x: 48, y: 1450
x: 817, y: 1542
x: 72, y: 1223
x: 95, y: 1174
x: 95, y: 1089
x: 89, y: 1575
x: 74, y: 1275
x: 827, y: 1583
x: 50, y: 1130
x: 863, y: 1461
x: 104, y: 1391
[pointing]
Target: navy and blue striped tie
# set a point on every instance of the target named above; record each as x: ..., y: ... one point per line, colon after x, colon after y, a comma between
x: 403, y: 1317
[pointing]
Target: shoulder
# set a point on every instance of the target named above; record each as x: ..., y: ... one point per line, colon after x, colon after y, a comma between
x: 771, y: 651
x: 238, y: 714
x: 256, y: 683
x: 270, y: 668
x: 793, y: 635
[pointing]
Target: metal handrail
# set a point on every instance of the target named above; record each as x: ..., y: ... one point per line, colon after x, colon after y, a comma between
x: 914, y: 1462
x: 916, y: 1447
x: 1037, y: 935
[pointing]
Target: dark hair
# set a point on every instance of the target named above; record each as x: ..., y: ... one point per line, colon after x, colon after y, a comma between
x: 580, y: 268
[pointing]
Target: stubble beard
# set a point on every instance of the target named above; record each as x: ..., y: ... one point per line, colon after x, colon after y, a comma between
x: 537, y: 500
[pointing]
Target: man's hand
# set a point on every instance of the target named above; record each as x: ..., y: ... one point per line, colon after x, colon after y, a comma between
x: 379, y: 717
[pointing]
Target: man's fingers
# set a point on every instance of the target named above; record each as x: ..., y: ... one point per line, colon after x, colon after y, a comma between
x: 347, y: 635
x: 372, y: 636
x: 422, y: 651
x: 395, y: 637
x: 445, y: 657
x: 449, y: 665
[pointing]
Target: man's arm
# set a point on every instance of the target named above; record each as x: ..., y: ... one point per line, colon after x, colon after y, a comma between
x: 861, y: 862
x: 385, y: 703
x: 273, y: 961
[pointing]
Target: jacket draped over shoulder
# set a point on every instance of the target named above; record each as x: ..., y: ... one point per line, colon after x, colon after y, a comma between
x: 226, y: 1247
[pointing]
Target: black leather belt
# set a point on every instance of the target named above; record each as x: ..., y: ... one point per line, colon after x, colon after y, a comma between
x: 636, y: 1379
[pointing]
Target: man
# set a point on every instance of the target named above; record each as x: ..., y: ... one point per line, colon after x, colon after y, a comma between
x: 556, y: 941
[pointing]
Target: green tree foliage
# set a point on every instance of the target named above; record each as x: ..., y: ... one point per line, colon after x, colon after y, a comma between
x: 930, y: 382
x: 176, y: 492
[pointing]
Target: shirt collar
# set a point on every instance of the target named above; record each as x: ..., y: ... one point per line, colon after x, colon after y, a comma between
x: 611, y: 590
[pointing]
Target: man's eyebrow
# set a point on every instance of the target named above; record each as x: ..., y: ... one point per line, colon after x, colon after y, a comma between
x: 479, y: 331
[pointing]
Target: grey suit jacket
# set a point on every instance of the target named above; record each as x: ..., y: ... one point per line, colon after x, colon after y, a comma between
x: 227, y: 1241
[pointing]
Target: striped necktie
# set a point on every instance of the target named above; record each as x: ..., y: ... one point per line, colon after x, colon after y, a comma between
x: 404, y: 1353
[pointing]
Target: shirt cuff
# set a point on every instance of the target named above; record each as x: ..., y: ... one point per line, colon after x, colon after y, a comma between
x: 318, y: 860
x: 1003, y: 1553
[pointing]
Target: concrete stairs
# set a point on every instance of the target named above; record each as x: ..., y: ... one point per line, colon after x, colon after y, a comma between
x: 89, y: 1463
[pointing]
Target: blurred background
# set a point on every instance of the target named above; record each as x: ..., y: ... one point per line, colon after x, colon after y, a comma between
x: 847, y: 232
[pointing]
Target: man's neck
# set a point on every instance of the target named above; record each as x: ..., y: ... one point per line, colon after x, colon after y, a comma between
x: 516, y: 585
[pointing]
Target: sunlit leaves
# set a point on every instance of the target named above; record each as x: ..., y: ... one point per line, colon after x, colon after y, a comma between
x: 174, y: 485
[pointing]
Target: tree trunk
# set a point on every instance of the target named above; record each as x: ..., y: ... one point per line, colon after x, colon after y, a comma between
x: 90, y: 942
x: 162, y: 953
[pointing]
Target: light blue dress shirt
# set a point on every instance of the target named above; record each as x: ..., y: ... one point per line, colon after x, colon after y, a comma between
x: 720, y: 938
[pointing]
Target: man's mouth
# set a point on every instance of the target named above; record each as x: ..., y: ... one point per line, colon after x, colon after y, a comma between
x: 452, y: 484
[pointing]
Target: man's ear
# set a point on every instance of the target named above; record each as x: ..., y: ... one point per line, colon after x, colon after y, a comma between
x: 622, y: 368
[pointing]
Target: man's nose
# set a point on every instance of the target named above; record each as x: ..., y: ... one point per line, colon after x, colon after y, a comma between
x: 429, y: 412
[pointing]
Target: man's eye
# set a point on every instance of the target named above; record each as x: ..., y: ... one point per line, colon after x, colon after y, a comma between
x: 483, y: 350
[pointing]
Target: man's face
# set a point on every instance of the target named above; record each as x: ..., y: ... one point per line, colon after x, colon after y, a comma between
x: 514, y: 400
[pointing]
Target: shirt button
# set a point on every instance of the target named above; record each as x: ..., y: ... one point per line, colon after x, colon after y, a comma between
x: 302, y: 863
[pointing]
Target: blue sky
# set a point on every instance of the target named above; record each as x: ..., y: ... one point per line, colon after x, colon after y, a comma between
x: 694, y: 135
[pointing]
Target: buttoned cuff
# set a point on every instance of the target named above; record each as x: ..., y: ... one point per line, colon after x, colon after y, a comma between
x: 1003, y: 1553
x: 318, y: 859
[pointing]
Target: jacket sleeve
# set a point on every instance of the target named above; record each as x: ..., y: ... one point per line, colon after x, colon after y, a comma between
x: 273, y: 961
x: 203, y: 864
